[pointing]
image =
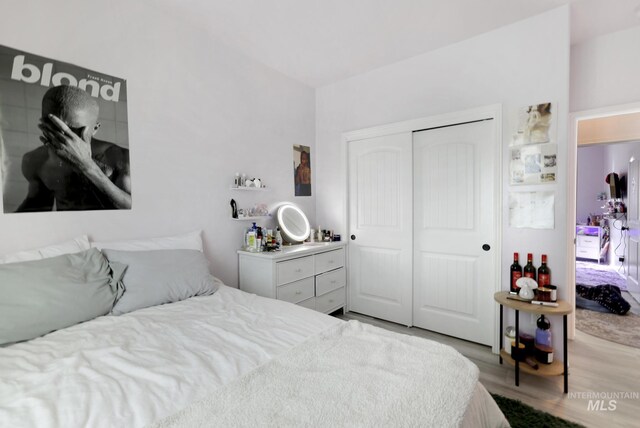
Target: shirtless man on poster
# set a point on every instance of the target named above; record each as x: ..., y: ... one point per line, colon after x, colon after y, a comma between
x: 72, y: 168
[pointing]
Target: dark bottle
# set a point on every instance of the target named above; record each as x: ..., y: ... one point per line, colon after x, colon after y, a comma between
x: 516, y: 273
x: 544, y: 273
x: 529, y: 269
x: 259, y: 238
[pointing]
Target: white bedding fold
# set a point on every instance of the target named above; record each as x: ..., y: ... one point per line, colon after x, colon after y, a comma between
x: 352, y: 374
x: 133, y: 369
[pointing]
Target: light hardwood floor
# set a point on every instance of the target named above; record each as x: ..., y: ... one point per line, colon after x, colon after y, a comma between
x: 595, y: 366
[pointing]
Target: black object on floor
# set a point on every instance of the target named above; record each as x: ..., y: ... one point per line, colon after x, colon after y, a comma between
x: 521, y: 415
x: 607, y: 295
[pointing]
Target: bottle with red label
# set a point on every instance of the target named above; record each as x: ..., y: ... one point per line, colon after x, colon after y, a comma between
x: 516, y: 274
x: 529, y: 270
x: 544, y: 273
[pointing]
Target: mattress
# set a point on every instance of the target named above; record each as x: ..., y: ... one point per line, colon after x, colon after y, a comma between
x: 138, y: 368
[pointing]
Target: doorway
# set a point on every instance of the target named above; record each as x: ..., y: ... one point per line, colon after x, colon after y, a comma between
x: 602, y: 218
x: 604, y: 143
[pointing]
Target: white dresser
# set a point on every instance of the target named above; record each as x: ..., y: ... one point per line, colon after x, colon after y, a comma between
x: 310, y: 275
x: 588, y: 242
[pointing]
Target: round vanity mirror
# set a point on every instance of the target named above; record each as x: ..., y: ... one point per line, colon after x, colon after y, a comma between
x: 293, y: 224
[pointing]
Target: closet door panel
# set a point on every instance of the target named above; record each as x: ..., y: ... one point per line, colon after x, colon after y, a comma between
x: 454, y: 196
x: 380, y: 224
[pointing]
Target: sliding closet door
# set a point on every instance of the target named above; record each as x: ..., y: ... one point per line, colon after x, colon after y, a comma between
x: 380, y: 227
x: 455, y: 230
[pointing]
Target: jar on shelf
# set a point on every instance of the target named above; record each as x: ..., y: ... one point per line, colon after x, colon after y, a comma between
x: 509, y: 338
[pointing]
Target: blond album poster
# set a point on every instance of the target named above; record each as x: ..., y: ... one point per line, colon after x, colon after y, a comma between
x: 64, y: 137
x: 302, y: 170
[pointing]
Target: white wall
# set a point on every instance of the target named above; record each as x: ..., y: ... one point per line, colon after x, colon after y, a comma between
x: 498, y: 67
x: 590, y: 181
x: 605, y: 70
x: 518, y: 65
x: 198, y: 112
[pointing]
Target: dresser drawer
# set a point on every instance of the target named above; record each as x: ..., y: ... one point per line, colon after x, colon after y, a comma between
x: 588, y: 241
x: 330, y: 301
x: 293, y: 270
x: 588, y: 253
x: 296, y: 292
x: 329, y: 260
x: 329, y: 281
x: 309, y: 303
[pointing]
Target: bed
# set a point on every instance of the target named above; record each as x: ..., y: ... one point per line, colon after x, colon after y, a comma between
x: 208, y: 360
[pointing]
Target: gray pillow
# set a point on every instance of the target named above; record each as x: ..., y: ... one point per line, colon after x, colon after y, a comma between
x: 40, y: 296
x: 161, y: 276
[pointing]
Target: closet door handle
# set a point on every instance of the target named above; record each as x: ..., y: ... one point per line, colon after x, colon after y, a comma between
x: 486, y: 247
x: 353, y: 237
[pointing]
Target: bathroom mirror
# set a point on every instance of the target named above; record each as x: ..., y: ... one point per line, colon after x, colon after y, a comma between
x: 293, y: 224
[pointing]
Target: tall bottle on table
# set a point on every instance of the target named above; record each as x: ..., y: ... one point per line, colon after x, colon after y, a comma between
x: 529, y: 270
x: 516, y: 274
x: 544, y: 273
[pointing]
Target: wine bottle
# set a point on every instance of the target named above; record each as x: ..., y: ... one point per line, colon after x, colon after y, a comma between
x: 544, y: 273
x: 516, y: 273
x: 529, y: 270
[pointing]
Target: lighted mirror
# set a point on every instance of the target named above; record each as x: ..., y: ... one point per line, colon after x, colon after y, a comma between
x: 294, y: 225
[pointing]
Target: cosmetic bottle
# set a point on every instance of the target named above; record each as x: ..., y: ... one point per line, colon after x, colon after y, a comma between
x: 251, y: 240
x: 543, y: 342
x: 259, y: 239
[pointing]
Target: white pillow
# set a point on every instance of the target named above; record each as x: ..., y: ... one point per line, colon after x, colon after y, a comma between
x: 187, y: 241
x: 81, y: 243
x: 161, y: 276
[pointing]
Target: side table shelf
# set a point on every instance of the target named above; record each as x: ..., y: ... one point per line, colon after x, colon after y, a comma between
x: 556, y: 368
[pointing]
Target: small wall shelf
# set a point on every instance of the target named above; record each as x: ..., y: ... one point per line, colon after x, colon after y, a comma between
x: 254, y: 218
x: 252, y: 189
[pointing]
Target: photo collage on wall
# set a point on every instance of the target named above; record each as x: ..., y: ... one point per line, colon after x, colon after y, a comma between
x: 533, y: 148
x: 533, y: 161
x: 56, y: 121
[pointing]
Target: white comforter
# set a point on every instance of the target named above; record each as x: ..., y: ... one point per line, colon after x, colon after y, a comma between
x: 350, y: 375
x: 131, y: 370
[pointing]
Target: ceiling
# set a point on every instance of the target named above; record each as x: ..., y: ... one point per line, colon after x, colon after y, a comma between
x: 322, y: 41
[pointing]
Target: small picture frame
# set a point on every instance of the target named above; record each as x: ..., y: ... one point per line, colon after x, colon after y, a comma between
x: 302, y: 170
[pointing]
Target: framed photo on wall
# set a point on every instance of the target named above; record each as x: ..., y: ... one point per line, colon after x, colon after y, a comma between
x: 533, y: 164
x: 535, y: 125
x: 302, y: 170
x: 64, y: 138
